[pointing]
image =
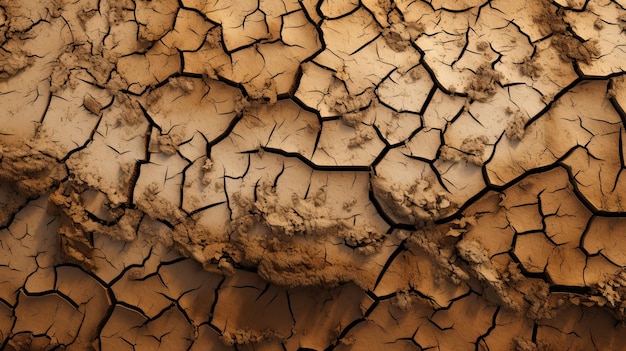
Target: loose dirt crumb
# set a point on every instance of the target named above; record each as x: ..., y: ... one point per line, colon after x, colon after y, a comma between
x: 77, y: 226
x: 541, y: 307
x: 484, y: 83
x: 250, y: 336
x: 521, y: 344
x: 531, y: 68
x: 395, y: 40
x: 403, y: 301
x: 515, y: 128
x: 613, y: 291
x: 13, y: 59
x: 281, y: 239
x: 472, y: 150
x: 265, y: 91
x: 598, y: 23
x: 28, y: 342
x: 550, y: 19
x: 28, y: 170
x: 353, y: 119
x: 165, y: 143
x: 571, y: 49
x: 418, y: 202
x: 344, y: 103
x: 482, y: 46
x: 185, y: 84
x: 361, y: 136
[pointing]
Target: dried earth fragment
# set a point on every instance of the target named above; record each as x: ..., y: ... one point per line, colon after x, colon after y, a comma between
x: 312, y: 175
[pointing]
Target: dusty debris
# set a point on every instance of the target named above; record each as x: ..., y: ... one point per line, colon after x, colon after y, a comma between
x: 550, y: 18
x: 572, y: 49
x: 420, y: 201
x: 312, y: 175
x: 531, y: 68
x: 472, y: 150
x: 484, y: 84
x: 29, y: 171
x: 515, y: 128
x: 14, y: 59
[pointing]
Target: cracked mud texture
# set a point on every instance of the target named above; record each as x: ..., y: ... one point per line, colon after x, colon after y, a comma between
x: 312, y: 175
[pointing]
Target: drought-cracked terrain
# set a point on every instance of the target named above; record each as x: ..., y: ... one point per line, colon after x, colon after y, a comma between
x: 312, y: 175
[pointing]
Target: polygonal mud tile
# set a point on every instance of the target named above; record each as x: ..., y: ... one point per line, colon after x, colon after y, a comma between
x: 50, y: 314
x: 127, y: 329
x: 333, y: 8
x: 91, y: 297
x: 570, y: 274
x: 391, y: 325
x: 342, y: 145
x: 248, y: 307
x: 339, y: 308
x: 604, y: 236
x: 406, y: 91
x: 533, y: 251
x: 195, y: 292
x: 445, y: 331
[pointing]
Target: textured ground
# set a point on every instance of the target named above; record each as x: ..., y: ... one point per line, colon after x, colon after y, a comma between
x: 303, y: 175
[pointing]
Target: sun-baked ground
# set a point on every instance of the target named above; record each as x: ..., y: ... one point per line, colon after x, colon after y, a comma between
x: 312, y: 175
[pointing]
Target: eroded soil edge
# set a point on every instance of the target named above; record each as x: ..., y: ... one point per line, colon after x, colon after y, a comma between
x: 303, y: 175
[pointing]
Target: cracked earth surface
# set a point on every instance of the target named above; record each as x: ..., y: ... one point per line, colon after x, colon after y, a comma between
x: 312, y: 175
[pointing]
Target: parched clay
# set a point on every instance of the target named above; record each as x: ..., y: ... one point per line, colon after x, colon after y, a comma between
x: 312, y: 175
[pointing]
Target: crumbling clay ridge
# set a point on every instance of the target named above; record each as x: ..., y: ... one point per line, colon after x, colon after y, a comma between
x: 312, y: 175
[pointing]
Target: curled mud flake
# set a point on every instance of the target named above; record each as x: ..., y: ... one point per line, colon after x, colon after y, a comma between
x: 92, y: 105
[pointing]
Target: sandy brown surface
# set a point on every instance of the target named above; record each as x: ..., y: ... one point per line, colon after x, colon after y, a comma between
x: 312, y: 175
